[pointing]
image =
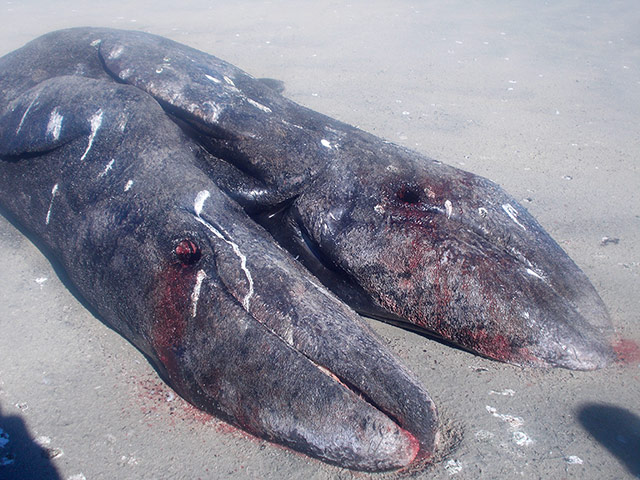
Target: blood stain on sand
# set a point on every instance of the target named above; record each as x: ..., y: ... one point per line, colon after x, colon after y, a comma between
x: 627, y: 351
x: 159, y: 403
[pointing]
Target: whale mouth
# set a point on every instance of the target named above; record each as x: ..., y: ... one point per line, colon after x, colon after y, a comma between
x: 530, y: 303
x: 378, y: 440
x: 269, y: 387
x: 263, y: 345
x: 484, y: 293
x: 449, y: 253
x: 399, y: 205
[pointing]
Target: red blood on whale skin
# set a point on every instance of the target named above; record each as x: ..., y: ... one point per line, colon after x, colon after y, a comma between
x: 175, y: 285
x: 348, y: 205
x: 231, y: 321
x: 135, y: 149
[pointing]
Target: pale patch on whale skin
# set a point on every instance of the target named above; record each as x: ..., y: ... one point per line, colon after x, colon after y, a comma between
x: 108, y: 167
x: 259, y: 106
x: 116, y: 52
x: 54, y: 126
x: 54, y: 192
x: 26, y: 112
x: 95, y: 121
x: 513, y: 214
x: 533, y: 273
x: 448, y: 207
x: 216, y: 110
x: 213, y: 79
x: 195, y: 295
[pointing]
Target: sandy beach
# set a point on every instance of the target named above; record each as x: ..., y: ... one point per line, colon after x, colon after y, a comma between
x: 540, y: 97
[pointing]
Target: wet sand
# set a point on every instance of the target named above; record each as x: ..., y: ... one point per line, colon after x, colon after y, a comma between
x: 542, y: 98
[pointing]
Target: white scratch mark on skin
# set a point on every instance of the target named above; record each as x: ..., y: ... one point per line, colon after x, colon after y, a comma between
x: 229, y: 81
x: 116, y: 52
x: 128, y: 186
x: 54, y: 192
x: 124, y: 74
x: 195, y: 295
x: 379, y: 209
x: 448, y: 207
x: 513, y: 214
x: 26, y: 112
x: 525, y: 259
x: 77, y: 476
x: 483, y: 212
x: 42, y: 440
x: 96, y: 121
x: 259, y: 106
x: 213, y: 79
x: 291, y: 124
x: 107, y: 168
x: 55, y: 124
x: 325, y: 143
x: 96, y: 42
x: 161, y: 67
x: 288, y: 336
x: 216, y: 111
x: 202, y: 197
x: 534, y: 274
x: 122, y: 124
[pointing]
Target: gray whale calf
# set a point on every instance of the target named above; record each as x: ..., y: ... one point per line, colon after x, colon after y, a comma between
x: 112, y: 187
x: 168, y: 184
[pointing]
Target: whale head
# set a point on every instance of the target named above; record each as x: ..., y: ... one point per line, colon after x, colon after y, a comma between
x: 449, y: 252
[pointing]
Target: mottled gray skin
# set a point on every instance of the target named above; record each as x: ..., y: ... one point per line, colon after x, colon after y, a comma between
x: 117, y: 193
x: 396, y: 235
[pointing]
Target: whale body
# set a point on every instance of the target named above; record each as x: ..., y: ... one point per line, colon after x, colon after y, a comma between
x: 176, y: 191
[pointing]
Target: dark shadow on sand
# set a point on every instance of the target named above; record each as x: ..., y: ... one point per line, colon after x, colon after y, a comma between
x: 615, y: 428
x: 20, y: 457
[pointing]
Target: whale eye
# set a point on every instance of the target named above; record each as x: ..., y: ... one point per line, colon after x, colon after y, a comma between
x: 408, y: 194
x: 187, y: 252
